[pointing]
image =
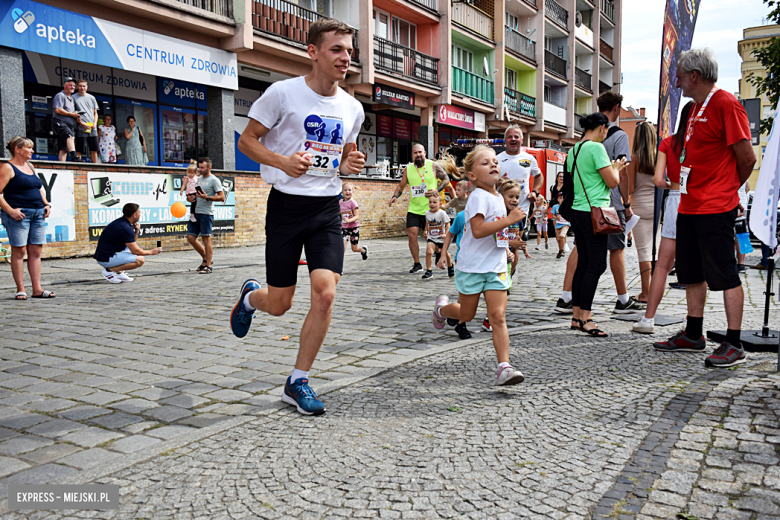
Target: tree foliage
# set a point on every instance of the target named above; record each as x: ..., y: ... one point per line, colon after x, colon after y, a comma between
x: 769, y: 57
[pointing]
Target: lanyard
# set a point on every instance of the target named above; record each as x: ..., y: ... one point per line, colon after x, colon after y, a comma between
x: 692, y: 122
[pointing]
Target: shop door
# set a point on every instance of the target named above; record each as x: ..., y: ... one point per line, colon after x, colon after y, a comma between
x: 178, y: 131
x: 145, y: 115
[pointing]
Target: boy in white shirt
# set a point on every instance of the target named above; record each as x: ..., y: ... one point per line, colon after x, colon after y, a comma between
x: 437, y: 223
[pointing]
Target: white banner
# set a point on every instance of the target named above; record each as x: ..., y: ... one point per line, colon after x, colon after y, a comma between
x: 763, y: 212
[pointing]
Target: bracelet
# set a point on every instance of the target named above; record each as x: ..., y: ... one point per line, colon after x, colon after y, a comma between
x: 47, y: 205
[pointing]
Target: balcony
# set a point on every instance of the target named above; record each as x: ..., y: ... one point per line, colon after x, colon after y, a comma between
x: 554, y: 64
x: 520, y: 44
x: 583, y: 79
x: 519, y: 103
x: 608, y: 8
x: 557, y: 13
x: 289, y: 21
x: 219, y: 7
x: 407, y: 62
x: 606, y: 50
x: 555, y: 114
x: 603, y: 87
x: 472, y: 85
x: 472, y: 18
x: 430, y: 4
x: 584, y: 34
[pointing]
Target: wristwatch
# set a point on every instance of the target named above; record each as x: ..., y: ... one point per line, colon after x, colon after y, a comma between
x: 627, y: 205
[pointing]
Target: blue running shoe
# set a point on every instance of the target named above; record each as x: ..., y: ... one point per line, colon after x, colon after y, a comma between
x: 240, y: 318
x: 301, y: 395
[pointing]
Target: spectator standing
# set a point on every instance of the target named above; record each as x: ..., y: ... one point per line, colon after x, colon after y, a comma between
x: 135, y: 149
x: 642, y: 188
x: 717, y: 158
x: 117, y: 249
x: 556, y: 188
x: 24, y: 210
x: 64, y: 121
x: 521, y: 167
x: 86, y: 132
x: 209, y: 190
x: 107, y: 140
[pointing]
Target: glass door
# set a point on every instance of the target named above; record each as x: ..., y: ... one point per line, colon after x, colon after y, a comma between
x: 203, y: 126
x: 145, y: 115
x: 178, y: 136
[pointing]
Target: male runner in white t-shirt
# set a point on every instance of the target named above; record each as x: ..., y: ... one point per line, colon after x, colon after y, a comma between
x: 520, y: 166
x: 302, y: 131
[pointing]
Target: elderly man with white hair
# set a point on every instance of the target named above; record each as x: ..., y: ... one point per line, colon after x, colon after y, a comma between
x: 717, y: 158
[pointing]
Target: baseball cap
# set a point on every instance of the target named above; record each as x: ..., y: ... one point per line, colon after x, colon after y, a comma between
x: 68, y: 79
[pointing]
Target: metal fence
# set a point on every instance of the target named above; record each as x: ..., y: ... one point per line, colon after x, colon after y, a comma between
x: 220, y: 7
x: 554, y: 64
x: 402, y: 60
x: 557, y: 13
x: 519, y: 103
x: 583, y: 79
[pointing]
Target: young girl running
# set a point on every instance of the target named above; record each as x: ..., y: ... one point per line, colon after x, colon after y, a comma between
x: 188, y: 184
x: 482, y: 262
x: 540, y: 214
x: 350, y: 225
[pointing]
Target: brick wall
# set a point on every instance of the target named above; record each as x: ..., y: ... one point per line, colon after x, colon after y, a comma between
x: 251, y: 192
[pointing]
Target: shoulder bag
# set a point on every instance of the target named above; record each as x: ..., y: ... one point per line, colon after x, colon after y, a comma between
x: 605, y: 220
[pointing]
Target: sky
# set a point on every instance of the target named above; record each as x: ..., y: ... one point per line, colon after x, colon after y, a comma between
x: 718, y: 27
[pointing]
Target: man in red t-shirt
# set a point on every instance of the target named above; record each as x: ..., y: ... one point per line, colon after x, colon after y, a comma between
x: 717, y: 158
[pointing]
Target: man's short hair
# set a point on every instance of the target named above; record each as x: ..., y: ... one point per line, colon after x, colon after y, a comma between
x: 702, y: 61
x: 129, y: 209
x: 415, y: 145
x: 82, y: 81
x: 513, y: 127
x: 321, y: 27
x: 205, y: 160
x: 608, y: 101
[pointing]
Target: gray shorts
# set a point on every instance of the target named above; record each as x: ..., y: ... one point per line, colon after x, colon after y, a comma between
x: 618, y: 241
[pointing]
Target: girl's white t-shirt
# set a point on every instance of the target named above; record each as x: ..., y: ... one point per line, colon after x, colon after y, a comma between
x: 482, y: 255
x: 299, y: 119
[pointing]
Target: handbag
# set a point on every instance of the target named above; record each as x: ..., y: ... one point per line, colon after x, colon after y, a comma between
x: 605, y: 220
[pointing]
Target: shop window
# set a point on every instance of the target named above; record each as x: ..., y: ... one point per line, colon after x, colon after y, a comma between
x: 203, y: 149
x: 145, y: 119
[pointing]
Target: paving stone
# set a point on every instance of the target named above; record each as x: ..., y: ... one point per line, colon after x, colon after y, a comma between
x: 9, y: 466
x: 116, y: 421
x: 133, y: 443
x: 168, y: 413
x: 22, y: 421
x: 168, y: 432
x: 90, y: 437
x: 184, y: 401
x: 90, y: 458
x: 228, y: 395
x: 22, y: 444
x: 134, y: 405
x: 50, y: 453
x: 55, y: 428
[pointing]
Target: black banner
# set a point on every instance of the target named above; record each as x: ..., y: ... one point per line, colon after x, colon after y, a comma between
x: 393, y: 96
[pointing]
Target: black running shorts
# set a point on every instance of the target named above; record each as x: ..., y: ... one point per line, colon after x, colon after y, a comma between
x: 294, y: 223
x: 415, y: 220
x: 705, y: 250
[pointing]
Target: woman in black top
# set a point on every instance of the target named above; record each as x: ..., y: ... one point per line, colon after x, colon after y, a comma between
x: 24, y: 210
x: 556, y: 188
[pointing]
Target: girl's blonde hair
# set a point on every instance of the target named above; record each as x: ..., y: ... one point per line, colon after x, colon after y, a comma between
x: 541, y: 199
x: 471, y: 158
x: 447, y: 162
x: 505, y: 185
x: 192, y: 167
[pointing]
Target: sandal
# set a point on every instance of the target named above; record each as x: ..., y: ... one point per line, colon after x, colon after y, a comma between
x: 21, y: 295
x: 206, y: 270
x: 596, y: 333
x: 200, y: 268
x: 45, y: 294
x: 575, y: 327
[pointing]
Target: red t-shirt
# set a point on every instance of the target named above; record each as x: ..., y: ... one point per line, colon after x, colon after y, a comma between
x: 714, y: 181
x: 672, y: 159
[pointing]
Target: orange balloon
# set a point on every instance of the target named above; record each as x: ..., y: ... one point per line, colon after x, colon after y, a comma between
x: 178, y: 209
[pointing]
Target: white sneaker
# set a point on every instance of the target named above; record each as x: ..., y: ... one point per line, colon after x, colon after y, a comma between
x: 110, y: 276
x: 507, y: 375
x: 644, y: 327
x: 566, y: 247
x: 537, y: 248
x: 123, y: 276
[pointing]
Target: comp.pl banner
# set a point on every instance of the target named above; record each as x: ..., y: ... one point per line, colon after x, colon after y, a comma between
x: 57, y: 32
x: 108, y: 192
x: 679, y: 23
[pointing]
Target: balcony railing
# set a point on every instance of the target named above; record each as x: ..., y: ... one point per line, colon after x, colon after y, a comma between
x: 531, y: 2
x: 289, y: 21
x: 606, y: 50
x: 520, y: 43
x: 603, y: 87
x: 554, y: 64
x: 430, y: 4
x: 405, y: 61
x: 557, y: 13
x: 220, y: 7
x: 472, y: 18
x: 577, y: 125
x: 472, y: 85
x: 519, y: 103
x: 608, y: 8
x: 583, y: 79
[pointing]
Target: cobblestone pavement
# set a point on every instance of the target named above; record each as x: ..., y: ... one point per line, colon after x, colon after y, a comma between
x: 157, y: 395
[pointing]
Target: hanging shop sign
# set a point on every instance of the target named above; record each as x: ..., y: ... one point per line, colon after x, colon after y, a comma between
x: 393, y: 96
x: 460, y: 117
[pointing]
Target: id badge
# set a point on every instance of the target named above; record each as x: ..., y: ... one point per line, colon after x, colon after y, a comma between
x: 419, y: 191
x: 684, y: 173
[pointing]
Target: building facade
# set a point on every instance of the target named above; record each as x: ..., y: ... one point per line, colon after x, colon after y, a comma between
x: 432, y: 71
x: 755, y: 38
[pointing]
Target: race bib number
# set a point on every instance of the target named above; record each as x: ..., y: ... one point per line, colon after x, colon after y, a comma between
x: 502, y: 237
x: 684, y: 173
x: 435, y: 231
x: 346, y: 215
x: 323, y: 145
x: 513, y: 232
x: 419, y: 191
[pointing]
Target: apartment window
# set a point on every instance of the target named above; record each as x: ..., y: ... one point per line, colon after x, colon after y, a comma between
x: 511, y: 21
x: 381, y: 24
x: 511, y: 79
x: 404, y: 33
x: 548, y: 44
x: 547, y: 94
x: 319, y: 6
x: 462, y: 58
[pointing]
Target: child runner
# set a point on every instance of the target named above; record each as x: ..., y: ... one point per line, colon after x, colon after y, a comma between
x: 437, y: 223
x: 188, y: 184
x: 482, y: 262
x: 459, y: 202
x: 561, y: 227
x: 287, y: 133
x: 350, y: 225
x: 540, y: 214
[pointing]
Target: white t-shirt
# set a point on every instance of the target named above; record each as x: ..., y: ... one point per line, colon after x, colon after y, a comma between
x: 482, y: 255
x: 436, y: 222
x: 520, y: 168
x: 299, y: 119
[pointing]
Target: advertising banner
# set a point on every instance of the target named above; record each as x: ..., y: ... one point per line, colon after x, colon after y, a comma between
x: 393, y: 96
x: 108, y: 192
x: 61, y: 224
x: 402, y: 129
x: 460, y: 117
x: 367, y: 145
x: 384, y: 126
x: 35, y: 27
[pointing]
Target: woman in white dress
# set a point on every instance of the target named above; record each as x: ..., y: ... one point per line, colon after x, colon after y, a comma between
x: 107, y: 140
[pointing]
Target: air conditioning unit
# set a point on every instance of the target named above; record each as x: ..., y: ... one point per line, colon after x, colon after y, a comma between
x: 578, y: 19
